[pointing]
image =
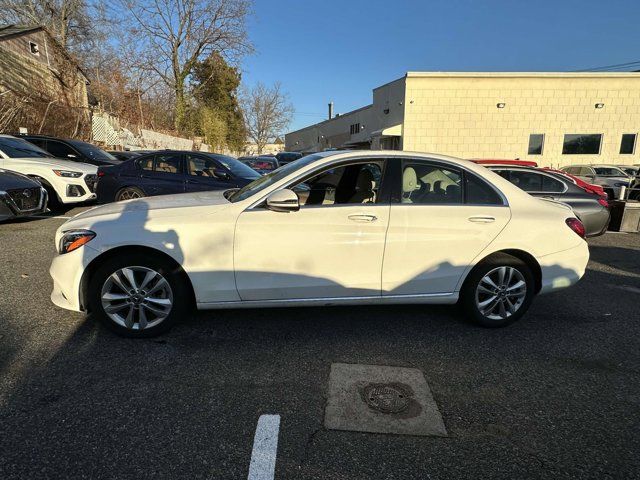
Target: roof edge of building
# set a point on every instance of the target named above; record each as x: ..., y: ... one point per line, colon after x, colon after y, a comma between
x: 330, y: 119
x: 520, y: 74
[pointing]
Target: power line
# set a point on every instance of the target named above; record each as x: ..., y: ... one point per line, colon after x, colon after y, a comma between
x: 618, y: 66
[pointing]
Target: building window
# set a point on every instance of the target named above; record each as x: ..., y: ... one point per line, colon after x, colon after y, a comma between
x: 581, y: 144
x: 628, y: 143
x: 33, y: 47
x: 354, y: 128
x: 536, y: 142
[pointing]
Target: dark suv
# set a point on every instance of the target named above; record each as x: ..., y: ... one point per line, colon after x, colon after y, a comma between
x: 74, y: 150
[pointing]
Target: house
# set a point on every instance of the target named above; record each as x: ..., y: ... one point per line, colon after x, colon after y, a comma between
x: 42, y: 87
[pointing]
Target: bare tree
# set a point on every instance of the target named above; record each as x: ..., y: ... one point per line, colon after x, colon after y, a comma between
x: 70, y: 21
x: 173, y: 35
x: 267, y: 113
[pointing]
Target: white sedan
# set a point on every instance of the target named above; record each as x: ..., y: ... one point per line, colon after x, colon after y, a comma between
x: 351, y: 228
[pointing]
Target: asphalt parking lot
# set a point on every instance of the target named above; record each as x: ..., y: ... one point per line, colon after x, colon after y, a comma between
x: 556, y: 395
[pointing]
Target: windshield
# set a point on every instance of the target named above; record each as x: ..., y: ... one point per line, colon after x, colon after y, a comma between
x: 19, y: 148
x: 237, y: 168
x: 271, y: 178
x: 609, y: 172
x: 93, y: 152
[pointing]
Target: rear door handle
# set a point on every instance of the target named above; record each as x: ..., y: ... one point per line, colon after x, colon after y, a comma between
x: 363, y: 218
x: 482, y: 219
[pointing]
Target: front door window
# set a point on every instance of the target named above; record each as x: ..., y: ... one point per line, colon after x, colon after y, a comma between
x: 347, y: 184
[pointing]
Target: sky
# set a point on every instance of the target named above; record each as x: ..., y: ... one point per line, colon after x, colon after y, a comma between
x: 339, y: 50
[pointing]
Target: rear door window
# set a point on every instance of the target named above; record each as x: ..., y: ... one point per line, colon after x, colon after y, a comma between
x: 167, y: 163
x: 527, y: 181
x: 552, y: 185
x: 145, y: 163
x: 479, y: 192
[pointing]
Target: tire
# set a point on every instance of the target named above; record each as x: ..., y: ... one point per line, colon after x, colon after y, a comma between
x: 128, y: 193
x: 136, y: 314
x: 53, y: 203
x: 516, y: 301
x: 53, y: 200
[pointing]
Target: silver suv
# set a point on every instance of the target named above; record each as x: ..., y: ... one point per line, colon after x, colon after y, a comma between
x: 609, y: 177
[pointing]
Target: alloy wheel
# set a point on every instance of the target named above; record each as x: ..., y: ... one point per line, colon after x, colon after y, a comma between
x: 136, y: 297
x: 501, y: 292
x: 128, y: 194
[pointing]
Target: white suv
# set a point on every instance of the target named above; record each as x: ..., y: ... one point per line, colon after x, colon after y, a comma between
x: 65, y: 181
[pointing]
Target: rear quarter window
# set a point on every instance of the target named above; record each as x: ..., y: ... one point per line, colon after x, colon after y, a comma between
x: 479, y: 192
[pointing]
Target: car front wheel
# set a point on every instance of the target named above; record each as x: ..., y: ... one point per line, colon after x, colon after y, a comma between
x: 138, y: 295
x: 498, y: 291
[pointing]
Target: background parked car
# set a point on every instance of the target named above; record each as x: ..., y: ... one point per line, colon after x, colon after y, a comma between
x: 591, y: 210
x: 171, y: 171
x: 634, y: 189
x: 20, y: 195
x: 609, y: 177
x: 66, y: 182
x: 263, y: 164
x: 287, y: 157
x: 124, y: 155
x: 69, y: 149
x: 631, y: 170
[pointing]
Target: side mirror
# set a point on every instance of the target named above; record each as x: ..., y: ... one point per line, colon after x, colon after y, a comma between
x: 221, y: 174
x: 283, y: 201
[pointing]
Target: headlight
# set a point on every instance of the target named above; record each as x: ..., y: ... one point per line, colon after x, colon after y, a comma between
x: 67, y: 173
x: 74, y: 239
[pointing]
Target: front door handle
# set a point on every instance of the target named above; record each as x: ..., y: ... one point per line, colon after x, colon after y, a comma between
x: 482, y: 219
x: 363, y: 218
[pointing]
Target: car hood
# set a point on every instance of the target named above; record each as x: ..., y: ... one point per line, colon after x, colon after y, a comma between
x: 53, y: 163
x: 147, y: 204
x: 10, y: 180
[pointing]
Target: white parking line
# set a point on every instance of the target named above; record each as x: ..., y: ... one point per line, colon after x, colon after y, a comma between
x: 265, y: 448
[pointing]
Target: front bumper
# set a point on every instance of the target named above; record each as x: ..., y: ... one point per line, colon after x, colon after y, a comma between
x: 563, y: 269
x: 66, y: 271
x: 10, y: 209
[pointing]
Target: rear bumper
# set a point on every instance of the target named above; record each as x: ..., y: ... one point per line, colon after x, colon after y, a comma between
x: 563, y: 269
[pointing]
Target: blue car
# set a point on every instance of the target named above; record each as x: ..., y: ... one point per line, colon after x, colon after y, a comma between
x: 171, y: 171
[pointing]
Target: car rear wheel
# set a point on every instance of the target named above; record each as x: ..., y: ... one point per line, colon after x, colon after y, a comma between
x: 129, y: 193
x: 138, y: 295
x: 498, y: 291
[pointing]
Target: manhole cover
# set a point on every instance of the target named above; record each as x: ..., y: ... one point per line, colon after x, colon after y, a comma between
x: 386, y: 398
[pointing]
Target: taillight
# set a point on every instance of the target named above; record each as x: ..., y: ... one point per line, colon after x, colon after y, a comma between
x: 603, y: 201
x: 100, y: 173
x: 577, y: 226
